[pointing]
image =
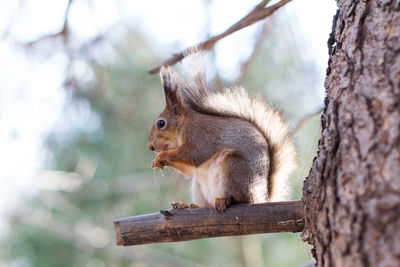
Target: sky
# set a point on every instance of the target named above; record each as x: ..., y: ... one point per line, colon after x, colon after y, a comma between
x: 32, y: 96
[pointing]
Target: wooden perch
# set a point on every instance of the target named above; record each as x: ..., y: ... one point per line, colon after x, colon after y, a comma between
x: 188, y: 224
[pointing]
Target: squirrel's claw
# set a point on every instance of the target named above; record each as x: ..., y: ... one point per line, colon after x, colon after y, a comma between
x: 194, y: 206
x: 179, y: 205
x: 158, y: 163
x: 155, y: 164
x: 221, y: 204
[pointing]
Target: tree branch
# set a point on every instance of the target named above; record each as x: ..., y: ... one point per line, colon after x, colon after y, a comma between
x: 188, y: 224
x: 258, y: 13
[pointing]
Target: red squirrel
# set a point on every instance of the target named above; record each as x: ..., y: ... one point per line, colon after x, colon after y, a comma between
x: 236, y: 148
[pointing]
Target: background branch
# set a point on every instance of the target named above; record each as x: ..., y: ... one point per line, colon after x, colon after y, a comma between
x: 189, y: 224
x: 63, y: 31
x: 245, y: 67
x: 258, y: 13
x: 301, y: 123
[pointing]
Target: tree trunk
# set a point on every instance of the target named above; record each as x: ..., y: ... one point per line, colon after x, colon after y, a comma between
x: 352, y: 194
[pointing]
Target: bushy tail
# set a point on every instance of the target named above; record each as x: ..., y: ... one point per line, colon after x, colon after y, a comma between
x: 235, y: 102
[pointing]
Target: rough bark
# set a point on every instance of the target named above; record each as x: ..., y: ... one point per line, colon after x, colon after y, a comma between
x: 352, y: 194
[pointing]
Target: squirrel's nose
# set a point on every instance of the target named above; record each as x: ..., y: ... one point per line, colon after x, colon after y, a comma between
x: 150, y: 146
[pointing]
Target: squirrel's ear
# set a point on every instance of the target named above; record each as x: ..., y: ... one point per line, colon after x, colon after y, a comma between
x: 171, y: 81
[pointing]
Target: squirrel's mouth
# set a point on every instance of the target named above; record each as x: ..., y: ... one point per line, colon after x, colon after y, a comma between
x: 164, y: 148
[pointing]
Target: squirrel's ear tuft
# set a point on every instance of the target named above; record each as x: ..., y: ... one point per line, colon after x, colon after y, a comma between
x: 168, y: 77
x: 171, y: 81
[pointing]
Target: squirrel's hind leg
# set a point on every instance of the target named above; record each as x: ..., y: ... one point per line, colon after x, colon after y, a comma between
x: 238, y: 180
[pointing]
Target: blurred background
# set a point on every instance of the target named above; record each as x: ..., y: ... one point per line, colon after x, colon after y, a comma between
x: 76, y: 106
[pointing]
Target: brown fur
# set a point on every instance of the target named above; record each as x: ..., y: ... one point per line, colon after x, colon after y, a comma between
x: 234, y: 146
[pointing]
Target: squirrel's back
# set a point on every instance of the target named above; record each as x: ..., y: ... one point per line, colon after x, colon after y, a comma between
x: 235, y: 102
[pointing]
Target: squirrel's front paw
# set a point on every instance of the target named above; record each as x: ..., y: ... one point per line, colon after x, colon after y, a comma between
x: 158, y: 162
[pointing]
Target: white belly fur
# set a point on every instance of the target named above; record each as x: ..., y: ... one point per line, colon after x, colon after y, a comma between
x: 211, y: 177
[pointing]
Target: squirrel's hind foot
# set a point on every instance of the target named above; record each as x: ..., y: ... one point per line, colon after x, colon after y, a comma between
x: 221, y: 204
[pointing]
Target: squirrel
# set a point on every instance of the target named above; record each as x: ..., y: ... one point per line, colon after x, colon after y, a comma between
x: 236, y: 148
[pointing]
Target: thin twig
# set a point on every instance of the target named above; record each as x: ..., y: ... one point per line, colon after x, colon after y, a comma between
x: 244, y: 69
x: 64, y: 31
x: 301, y: 123
x: 258, y: 13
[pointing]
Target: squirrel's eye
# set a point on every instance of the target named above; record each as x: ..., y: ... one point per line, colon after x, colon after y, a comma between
x: 160, y: 124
